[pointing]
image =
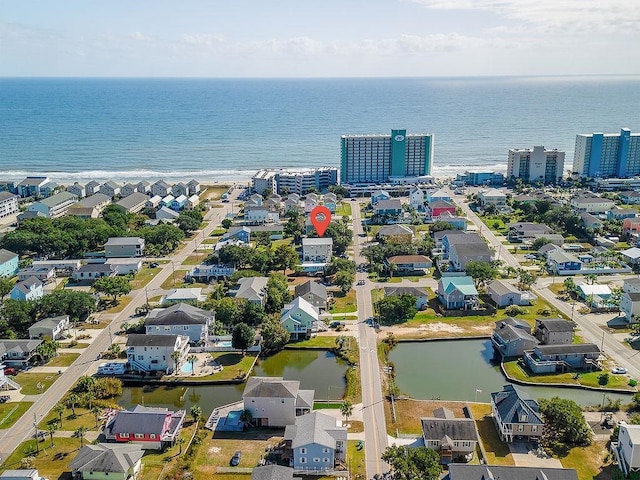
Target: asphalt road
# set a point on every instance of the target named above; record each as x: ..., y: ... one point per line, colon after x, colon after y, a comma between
x: 375, y: 428
x: 24, y: 428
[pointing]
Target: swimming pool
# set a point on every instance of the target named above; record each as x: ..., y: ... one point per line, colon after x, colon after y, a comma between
x: 233, y: 418
x: 225, y: 343
x: 187, y: 368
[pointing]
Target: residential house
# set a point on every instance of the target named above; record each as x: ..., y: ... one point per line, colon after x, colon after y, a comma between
x: 291, y: 204
x: 33, y: 187
x: 563, y: 263
x: 630, y: 306
x: 505, y: 294
x: 127, y: 189
x: 153, y: 202
x: 92, y: 271
x: 29, y: 289
x: 316, y: 441
x: 438, y: 195
x: 78, y: 190
x: 54, y: 206
x: 590, y: 221
x: 631, y: 228
x: 27, y: 215
x: 317, y: 249
x: 125, y: 266
x: 554, y: 238
x: 493, y: 196
x: 516, y: 415
x: 134, y: 202
x: 547, y: 248
x: 52, y: 327
x: 459, y: 223
x: 180, y: 295
x: 25, y: 474
x: 457, y: 292
x: 275, y: 402
x: 630, y: 197
x: 7, y: 186
x: 8, y: 263
x: 562, y: 358
x: 553, y: 331
x: 617, y: 213
x: 110, y: 189
x: 257, y: 199
x: 392, y: 207
x: 314, y: 293
x: 311, y: 201
x: 627, y: 448
x: 124, y: 247
x: 166, y: 200
x: 439, y: 207
x: 300, y: 318
x: 8, y: 204
x: 206, y: 273
x: 180, y: 319
x: 272, y: 472
x: 192, y: 202
x: 241, y: 233
x: 631, y: 255
x: 416, y: 199
x: 44, y: 274
x: 395, y: 233
x: 151, y: 428
x: 107, y: 461
x: 421, y: 294
x: 595, y: 295
x: 165, y: 213
x: 90, y: 207
x: 160, y: 188
x: 178, y: 203
x: 330, y: 200
x: 527, y: 231
x: 445, y: 239
x: 460, y: 471
x: 591, y: 204
x: 180, y: 189
x: 153, y: 353
x: 455, y: 439
x: 379, y: 195
x: 143, y: 187
x: 631, y: 285
x: 194, y: 187
x: 408, y: 264
x: 256, y: 215
x: 251, y: 289
x: 17, y: 353
x: 461, y: 254
x: 512, y: 337
x: 91, y: 188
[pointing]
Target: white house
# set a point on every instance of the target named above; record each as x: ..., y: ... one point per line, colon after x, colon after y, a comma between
x: 492, y: 196
x: 627, y: 448
x: 182, y: 319
x: 153, y: 353
x: 630, y: 306
x: 53, y: 327
x: 416, y: 199
x: 127, y: 247
x: 299, y: 318
x: 107, y: 460
x: 110, y: 188
x: 317, y: 249
x: 504, y: 293
x: 178, y: 295
x: 275, y: 402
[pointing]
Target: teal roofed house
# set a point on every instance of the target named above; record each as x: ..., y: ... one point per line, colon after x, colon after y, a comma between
x: 457, y: 292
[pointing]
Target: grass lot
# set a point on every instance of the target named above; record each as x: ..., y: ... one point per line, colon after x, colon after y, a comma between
x: 153, y: 462
x: 319, y: 341
x: 495, y: 223
x: 497, y: 451
x: 78, y: 346
x: 195, y: 259
x: 344, y: 208
x: 122, y: 302
x: 408, y: 413
x: 177, y: 277
x: 143, y: 277
x: 589, y: 462
x: 589, y: 379
x: 11, y: 412
x: 83, y: 418
x: 355, y: 460
x: 217, y: 452
x: 63, y: 360
x: 232, y: 363
x: 29, y: 382
x: 214, y: 192
x: 346, y: 304
x: 51, y: 462
x: 355, y: 426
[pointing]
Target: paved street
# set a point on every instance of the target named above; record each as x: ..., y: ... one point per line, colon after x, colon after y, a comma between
x: 24, y: 429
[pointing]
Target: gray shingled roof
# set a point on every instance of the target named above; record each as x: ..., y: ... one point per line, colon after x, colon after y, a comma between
x: 6, y: 255
x: 107, y: 458
x: 133, y: 200
x: 25, y: 285
x: 502, y: 287
x: 272, y: 472
x: 460, y: 237
x: 271, y: 387
x: 315, y: 428
x: 555, y: 324
x: 460, y: 471
x: 415, y: 291
x: 147, y: 421
x: 434, y: 428
x: 572, y: 348
x: 509, y: 332
x: 311, y: 287
x: 178, y: 314
x: 142, y: 340
x: 471, y: 249
x: 512, y: 403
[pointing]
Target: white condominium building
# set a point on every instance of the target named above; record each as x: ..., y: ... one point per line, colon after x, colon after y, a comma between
x: 537, y: 165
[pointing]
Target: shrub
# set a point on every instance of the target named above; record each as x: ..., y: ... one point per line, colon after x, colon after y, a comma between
x: 515, y: 310
x: 603, y: 378
x: 107, y: 387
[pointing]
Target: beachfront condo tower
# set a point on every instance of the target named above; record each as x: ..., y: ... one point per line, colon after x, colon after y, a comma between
x: 607, y: 154
x: 378, y: 159
x: 537, y: 165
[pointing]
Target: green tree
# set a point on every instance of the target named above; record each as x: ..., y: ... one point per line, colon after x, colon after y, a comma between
x: 6, y: 285
x: 47, y: 349
x: 526, y: 279
x: 396, y: 308
x: 80, y: 432
x: 176, y: 356
x: 242, y: 337
x: 192, y: 359
x: 246, y: 417
x: 226, y: 223
x: 113, y: 286
x: 340, y: 265
x: 346, y: 409
x: 564, y: 423
x: 227, y: 310
x: 52, y: 427
x: 481, y: 272
x: 59, y: 409
x: 250, y: 313
x: 277, y: 293
x: 78, y: 305
x: 412, y: 463
x: 72, y: 401
x: 196, y: 413
x: 284, y: 257
x: 162, y: 238
x: 591, y: 278
x: 274, y: 335
x: 187, y: 223
x: 570, y: 285
x: 344, y: 280
x: 96, y: 411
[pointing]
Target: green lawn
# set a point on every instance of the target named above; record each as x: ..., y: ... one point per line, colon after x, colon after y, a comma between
x: 29, y: 382
x: 355, y: 459
x: 11, y: 412
x: 122, y: 302
x: 497, y: 451
x: 232, y: 364
x: 588, y: 461
x: 143, y: 277
x: 319, y: 341
x: 63, y: 360
x: 83, y: 418
x: 346, y: 304
x: 344, y: 208
x: 51, y: 462
x: 195, y: 259
x: 78, y: 345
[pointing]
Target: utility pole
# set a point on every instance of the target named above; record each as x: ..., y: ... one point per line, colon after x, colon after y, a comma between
x: 35, y: 426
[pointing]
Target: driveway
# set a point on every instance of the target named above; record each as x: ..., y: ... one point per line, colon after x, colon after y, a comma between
x: 526, y: 455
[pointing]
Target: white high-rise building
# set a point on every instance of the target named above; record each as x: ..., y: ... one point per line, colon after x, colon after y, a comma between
x: 300, y: 181
x: 537, y: 165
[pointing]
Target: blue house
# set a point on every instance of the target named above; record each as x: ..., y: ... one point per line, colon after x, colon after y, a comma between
x: 388, y: 207
x: 434, y: 196
x: 8, y: 263
x: 178, y: 203
x: 29, y: 289
x: 563, y: 263
x: 621, y: 213
x: 238, y: 233
x: 457, y: 292
x: 379, y: 195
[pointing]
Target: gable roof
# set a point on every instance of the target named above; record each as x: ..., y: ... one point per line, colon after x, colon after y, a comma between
x: 401, y: 259
x: 395, y: 230
x: 513, y: 403
x: 51, y: 322
x: 139, y: 420
x: 389, y: 204
x: 501, y: 287
x: 250, y: 288
x: 133, y: 200
x: 25, y: 285
x: 6, y: 255
x: 22, y: 346
x: 460, y: 471
x: 142, y: 340
x: 315, y: 428
x: 111, y: 458
x: 272, y: 472
x: 462, y: 283
x: 571, y: 348
x: 271, y: 387
x: 471, y: 249
x: 312, y: 287
x: 555, y: 324
x: 435, y: 428
x: 415, y: 291
x: 178, y: 314
x: 299, y: 303
x: 123, y: 241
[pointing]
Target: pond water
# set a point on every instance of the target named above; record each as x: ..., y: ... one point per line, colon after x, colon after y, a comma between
x: 319, y: 370
x: 467, y: 370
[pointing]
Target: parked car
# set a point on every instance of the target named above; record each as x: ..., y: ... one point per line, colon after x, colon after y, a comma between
x: 154, y: 265
x: 10, y: 371
x: 619, y: 370
x: 360, y: 282
x: 235, y: 460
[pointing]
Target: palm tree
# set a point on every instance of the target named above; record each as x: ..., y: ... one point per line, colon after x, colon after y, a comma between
x: 196, y: 413
x: 96, y: 413
x: 80, y: 433
x: 89, y: 395
x: 59, y: 409
x: 346, y: 409
x: 72, y: 401
x: 176, y: 356
x: 52, y: 427
x: 181, y: 441
x: 246, y: 417
x: 192, y: 359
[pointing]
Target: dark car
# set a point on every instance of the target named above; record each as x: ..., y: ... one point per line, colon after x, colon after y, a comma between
x: 154, y: 265
x: 235, y: 460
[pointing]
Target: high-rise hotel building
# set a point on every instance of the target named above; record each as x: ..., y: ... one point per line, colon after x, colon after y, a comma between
x: 376, y: 159
x: 537, y: 165
x: 607, y: 154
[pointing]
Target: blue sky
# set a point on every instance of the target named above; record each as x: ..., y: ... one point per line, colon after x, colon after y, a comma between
x: 320, y: 38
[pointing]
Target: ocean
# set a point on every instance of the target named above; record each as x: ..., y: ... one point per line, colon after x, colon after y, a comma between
x: 226, y: 129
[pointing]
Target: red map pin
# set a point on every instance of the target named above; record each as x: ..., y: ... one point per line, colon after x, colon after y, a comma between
x: 320, y: 218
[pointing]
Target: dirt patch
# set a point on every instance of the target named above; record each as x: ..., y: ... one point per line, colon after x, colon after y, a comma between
x: 215, y: 450
x: 409, y: 412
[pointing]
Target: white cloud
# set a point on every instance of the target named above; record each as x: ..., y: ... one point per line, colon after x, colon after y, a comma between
x: 202, y: 39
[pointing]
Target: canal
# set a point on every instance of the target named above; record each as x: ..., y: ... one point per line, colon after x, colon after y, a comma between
x: 454, y: 370
x: 318, y: 370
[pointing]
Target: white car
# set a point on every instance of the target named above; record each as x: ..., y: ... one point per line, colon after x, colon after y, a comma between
x: 619, y: 370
